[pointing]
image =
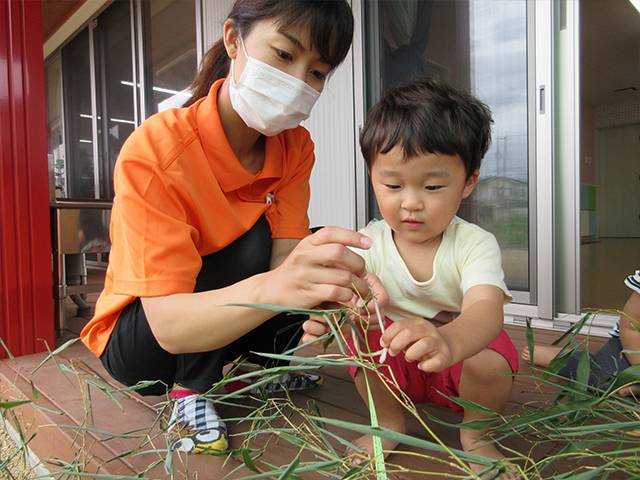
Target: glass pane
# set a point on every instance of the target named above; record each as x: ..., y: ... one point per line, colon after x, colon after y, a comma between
x: 170, y: 52
x: 55, y: 130
x: 609, y: 151
x: 482, y: 48
x: 114, y: 67
x: 76, y: 75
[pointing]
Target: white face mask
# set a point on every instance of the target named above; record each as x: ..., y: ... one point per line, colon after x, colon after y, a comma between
x: 269, y: 100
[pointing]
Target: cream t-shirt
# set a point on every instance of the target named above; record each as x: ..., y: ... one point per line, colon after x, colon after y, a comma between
x: 467, y: 256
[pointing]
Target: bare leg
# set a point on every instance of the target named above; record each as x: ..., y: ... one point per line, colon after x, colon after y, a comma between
x: 487, y: 368
x: 389, y: 411
x: 630, y: 391
x: 542, y: 354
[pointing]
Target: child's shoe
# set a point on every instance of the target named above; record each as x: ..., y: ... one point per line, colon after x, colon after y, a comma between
x: 196, y: 427
x: 287, y: 382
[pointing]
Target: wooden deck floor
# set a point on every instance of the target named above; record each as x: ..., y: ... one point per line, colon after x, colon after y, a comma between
x: 63, y: 407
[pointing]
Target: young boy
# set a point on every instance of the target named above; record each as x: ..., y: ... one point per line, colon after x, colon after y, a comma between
x: 614, y: 356
x: 423, y: 144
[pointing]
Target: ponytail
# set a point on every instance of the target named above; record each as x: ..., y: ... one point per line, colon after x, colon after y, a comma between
x: 329, y: 23
x: 215, y: 65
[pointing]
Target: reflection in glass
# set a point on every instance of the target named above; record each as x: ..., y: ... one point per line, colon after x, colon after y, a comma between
x: 55, y: 129
x: 170, y: 52
x: 114, y: 63
x: 76, y: 71
x: 481, y: 47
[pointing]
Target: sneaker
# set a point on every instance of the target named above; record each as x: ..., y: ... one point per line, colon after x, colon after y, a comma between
x: 196, y: 427
x: 290, y: 382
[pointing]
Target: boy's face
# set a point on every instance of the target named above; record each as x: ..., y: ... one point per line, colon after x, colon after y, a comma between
x: 420, y: 196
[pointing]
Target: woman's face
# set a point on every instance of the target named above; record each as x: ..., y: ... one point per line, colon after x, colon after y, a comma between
x: 289, y: 51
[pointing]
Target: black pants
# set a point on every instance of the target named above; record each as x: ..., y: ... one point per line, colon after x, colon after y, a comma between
x: 133, y: 354
x: 606, y: 363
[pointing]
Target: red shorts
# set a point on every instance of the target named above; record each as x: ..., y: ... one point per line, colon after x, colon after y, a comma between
x: 424, y: 387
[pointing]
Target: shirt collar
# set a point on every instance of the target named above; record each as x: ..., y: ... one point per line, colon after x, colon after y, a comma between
x: 230, y: 173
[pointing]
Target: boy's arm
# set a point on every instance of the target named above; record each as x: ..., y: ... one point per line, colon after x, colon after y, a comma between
x: 438, y: 348
x: 479, y: 323
x: 630, y: 328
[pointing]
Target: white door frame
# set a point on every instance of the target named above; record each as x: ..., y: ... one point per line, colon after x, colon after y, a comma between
x: 540, y: 90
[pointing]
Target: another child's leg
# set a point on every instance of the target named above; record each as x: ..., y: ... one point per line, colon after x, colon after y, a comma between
x: 542, y: 354
x: 389, y: 411
x: 487, y: 368
x: 605, y: 363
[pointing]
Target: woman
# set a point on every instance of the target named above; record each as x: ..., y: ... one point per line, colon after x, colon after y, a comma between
x: 211, y: 210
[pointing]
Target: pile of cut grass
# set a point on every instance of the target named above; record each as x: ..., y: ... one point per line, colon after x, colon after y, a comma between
x: 586, y: 433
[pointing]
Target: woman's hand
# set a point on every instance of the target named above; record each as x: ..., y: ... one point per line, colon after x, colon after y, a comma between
x: 320, y: 269
x: 317, y: 326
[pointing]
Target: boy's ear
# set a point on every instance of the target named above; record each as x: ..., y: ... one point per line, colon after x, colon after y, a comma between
x: 471, y: 183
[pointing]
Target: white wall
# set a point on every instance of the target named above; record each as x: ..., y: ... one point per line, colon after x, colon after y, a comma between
x: 332, y: 128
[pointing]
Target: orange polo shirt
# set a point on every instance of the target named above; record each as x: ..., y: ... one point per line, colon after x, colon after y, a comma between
x: 181, y: 194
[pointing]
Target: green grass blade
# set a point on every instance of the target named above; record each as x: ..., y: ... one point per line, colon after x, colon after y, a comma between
x: 291, y: 468
x: 625, y: 378
x: 283, y: 309
x: 335, y: 334
x: 588, y: 475
x: 51, y: 355
x: 405, y: 439
x: 530, y: 343
x: 469, y: 405
x: 6, y: 349
x: 307, y: 467
x: 248, y: 460
x: 573, y: 331
x: 558, y: 362
x: 583, y: 372
x: 322, y: 361
x: 378, y: 454
x: 13, y: 404
x: 168, y: 462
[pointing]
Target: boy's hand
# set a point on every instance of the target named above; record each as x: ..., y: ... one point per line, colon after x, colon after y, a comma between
x: 421, y: 342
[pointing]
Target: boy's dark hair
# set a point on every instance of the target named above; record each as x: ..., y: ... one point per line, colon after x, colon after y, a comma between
x: 426, y: 116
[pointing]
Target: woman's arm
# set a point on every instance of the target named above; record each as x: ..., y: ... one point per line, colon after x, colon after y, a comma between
x: 630, y: 328
x: 319, y: 269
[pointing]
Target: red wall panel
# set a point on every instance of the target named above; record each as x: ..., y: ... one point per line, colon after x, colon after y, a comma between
x: 26, y: 292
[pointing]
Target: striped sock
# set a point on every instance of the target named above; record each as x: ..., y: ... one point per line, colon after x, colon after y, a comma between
x: 197, y: 426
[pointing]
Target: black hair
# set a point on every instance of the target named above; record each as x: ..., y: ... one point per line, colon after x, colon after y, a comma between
x: 427, y: 116
x: 329, y: 22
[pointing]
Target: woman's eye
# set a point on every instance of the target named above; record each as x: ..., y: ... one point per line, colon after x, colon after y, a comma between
x: 319, y: 75
x: 434, y: 187
x: 283, y: 55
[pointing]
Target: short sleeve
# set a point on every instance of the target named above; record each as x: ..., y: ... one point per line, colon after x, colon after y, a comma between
x: 481, y: 262
x: 154, y: 250
x: 292, y: 197
x: 633, y: 281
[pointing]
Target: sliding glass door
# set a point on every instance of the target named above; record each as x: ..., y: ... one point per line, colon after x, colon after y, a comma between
x: 134, y: 59
x: 484, y: 50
